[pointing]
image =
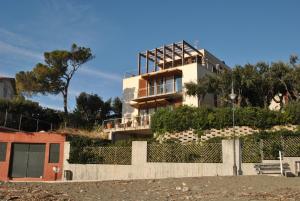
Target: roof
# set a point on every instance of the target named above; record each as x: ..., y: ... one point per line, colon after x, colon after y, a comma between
x: 168, y: 54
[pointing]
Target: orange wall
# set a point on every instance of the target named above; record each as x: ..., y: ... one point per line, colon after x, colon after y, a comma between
x: 46, y: 138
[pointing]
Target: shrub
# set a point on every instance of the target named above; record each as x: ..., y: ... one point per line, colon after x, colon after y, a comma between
x: 185, y: 118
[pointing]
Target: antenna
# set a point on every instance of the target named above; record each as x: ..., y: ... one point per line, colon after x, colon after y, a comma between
x: 196, y: 42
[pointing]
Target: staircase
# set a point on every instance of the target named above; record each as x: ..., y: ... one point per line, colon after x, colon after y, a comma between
x: 271, y: 168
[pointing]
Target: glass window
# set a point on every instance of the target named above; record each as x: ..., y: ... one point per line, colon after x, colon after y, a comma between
x: 151, y: 88
x: 3, y: 146
x: 169, y: 85
x: 54, y: 153
x: 160, y: 86
x: 178, y: 83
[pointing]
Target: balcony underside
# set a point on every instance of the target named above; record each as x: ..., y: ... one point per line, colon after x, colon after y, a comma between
x: 162, y: 73
x: 156, y: 100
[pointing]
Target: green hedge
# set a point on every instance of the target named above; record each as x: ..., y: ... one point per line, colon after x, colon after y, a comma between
x: 185, y: 118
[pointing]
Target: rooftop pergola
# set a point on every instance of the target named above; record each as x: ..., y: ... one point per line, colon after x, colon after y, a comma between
x: 167, y: 54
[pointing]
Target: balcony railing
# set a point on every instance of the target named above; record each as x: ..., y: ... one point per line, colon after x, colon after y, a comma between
x: 127, y: 123
x: 155, y: 90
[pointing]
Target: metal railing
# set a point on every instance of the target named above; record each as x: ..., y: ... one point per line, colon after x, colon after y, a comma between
x: 22, y: 122
x: 137, y: 122
x: 155, y: 90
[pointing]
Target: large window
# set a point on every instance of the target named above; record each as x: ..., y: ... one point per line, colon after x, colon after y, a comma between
x: 160, y: 86
x: 151, y: 88
x: 169, y: 86
x: 178, y: 83
x: 3, y: 146
x: 165, y: 85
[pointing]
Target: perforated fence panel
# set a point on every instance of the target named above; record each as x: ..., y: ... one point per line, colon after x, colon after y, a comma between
x: 104, y: 155
x: 268, y: 149
x: 251, y: 152
x: 291, y: 146
x: 178, y: 153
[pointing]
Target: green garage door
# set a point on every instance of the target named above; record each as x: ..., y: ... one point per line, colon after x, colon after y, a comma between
x: 27, y: 160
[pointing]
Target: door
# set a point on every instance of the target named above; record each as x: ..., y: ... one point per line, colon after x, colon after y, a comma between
x: 27, y: 160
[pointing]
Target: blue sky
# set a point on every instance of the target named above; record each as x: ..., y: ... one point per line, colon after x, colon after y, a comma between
x: 236, y: 31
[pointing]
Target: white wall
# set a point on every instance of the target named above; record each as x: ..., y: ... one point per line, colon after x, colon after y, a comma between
x: 130, y: 91
x: 6, y: 89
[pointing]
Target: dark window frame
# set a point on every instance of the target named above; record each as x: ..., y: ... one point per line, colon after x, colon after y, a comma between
x: 3, y: 151
x: 54, y: 153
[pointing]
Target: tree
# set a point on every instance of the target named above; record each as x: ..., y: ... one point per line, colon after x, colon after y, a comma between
x: 117, y: 107
x: 54, y: 76
x: 255, y: 85
x: 199, y: 89
x: 89, y: 106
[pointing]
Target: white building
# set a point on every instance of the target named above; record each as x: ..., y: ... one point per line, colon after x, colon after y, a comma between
x: 159, y: 82
x: 7, y: 88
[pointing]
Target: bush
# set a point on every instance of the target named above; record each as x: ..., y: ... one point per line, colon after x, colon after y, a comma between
x: 185, y: 118
x: 77, y: 145
x: 292, y: 113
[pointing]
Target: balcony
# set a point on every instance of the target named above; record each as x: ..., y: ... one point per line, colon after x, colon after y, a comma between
x: 158, y: 94
x: 127, y: 123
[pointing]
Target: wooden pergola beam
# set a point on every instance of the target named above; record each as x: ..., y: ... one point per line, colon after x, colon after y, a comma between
x: 159, y: 55
x: 182, y: 52
x: 139, y: 63
x: 162, y: 53
x: 147, y: 61
x: 173, y: 51
x: 190, y: 46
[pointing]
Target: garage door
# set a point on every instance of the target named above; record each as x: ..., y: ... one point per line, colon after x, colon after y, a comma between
x: 27, y: 160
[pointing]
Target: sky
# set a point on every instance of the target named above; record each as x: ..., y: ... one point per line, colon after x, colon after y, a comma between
x: 236, y: 31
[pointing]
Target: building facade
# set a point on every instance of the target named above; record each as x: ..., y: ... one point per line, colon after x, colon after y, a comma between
x: 31, y: 156
x: 7, y: 88
x: 159, y: 82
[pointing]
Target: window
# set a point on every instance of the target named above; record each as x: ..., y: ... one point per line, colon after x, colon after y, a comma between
x: 54, y: 153
x: 3, y: 146
x: 151, y: 88
x: 169, y: 84
x: 178, y: 84
x: 160, y: 86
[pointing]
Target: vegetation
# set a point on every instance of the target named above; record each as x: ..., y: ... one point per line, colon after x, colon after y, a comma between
x: 91, y: 110
x: 255, y: 85
x: 55, y: 75
x: 185, y: 118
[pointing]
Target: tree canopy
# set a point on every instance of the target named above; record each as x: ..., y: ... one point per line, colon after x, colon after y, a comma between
x: 54, y: 75
x: 255, y: 84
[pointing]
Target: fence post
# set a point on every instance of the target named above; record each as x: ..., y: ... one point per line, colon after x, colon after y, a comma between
x: 282, y: 144
x: 261, y: 146
x: 228, y: 156
x: 139, y: 153
x: 20, y: 122
x: 280, y: 160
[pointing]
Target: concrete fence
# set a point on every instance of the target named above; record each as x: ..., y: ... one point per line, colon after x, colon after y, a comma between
x: 141, y: 169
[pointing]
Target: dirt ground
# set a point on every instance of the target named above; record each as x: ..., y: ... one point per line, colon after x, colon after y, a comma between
x: 202, y: 188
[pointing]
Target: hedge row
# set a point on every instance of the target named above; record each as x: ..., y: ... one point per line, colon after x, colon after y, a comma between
x: 185, y: 118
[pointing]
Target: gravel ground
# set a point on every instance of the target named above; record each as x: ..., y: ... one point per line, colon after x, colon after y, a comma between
x: 202, y: 188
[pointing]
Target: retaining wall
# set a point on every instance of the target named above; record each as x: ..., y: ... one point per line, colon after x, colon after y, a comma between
x: 141, y: 169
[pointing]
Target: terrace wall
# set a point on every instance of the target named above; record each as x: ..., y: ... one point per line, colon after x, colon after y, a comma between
x: 141, y: 169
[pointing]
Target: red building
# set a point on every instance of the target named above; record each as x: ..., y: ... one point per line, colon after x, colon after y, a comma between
x: 31, y: 156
